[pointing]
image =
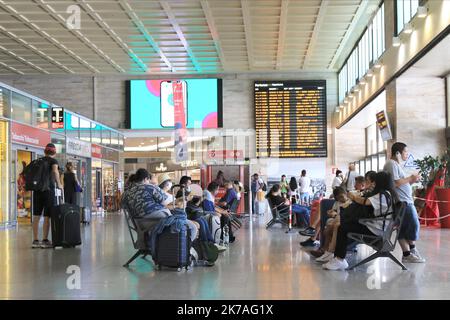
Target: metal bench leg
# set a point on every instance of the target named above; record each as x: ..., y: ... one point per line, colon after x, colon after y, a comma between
x: 368, y: 259
x: 393, y: 258
x: 271, y: 223
x: 137, y: 254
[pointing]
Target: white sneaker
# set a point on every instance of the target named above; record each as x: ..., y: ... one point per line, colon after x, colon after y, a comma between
x: 412, y: 258
x: 336, y: 264
x: 327, y: 256
x: 220, y: 248
x: 416, y: 253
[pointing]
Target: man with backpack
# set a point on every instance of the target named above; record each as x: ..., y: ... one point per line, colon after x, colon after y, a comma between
x: 42, y: 177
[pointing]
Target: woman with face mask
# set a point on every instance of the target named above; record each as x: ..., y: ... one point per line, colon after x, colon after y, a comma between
x: 165, y: 184
x: 409, y: 232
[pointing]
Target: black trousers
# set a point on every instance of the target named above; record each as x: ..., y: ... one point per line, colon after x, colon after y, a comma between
x: 226, y: 221
x: 342, y: 240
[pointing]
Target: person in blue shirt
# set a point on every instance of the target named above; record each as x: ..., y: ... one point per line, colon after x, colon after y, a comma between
x: 227, y: 200
x: 209, y: 205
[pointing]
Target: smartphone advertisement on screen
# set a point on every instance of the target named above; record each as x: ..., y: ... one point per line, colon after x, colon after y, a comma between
x: 157, y: 104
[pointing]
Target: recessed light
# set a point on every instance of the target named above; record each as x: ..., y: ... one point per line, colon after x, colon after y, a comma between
x: 369, y: 74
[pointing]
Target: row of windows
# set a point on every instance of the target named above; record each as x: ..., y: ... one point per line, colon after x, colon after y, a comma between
x: 405, y: 11
x: 369, y: 48
x: 21, y: 108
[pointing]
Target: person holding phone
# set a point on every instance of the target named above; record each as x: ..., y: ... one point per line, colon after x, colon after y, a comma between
x: 409, y: 233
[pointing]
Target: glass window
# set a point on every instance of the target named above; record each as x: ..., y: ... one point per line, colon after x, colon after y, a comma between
x: 121, y: 142
x: 5, y: 102
x: 375, y: 162
x: 362, y: 167
x: 60, y: 143
x: 357, y: 167
x: 21, y: 108
x: 96, y: 134
x: 114, y: 140
x: 381, y: 161
x: 106, y: 137
x: 371, y: 140
x: 368, y: 164
x: 41, y: 114
x: 85, y: 130
x: 406, y: 10
x: 72, y: 126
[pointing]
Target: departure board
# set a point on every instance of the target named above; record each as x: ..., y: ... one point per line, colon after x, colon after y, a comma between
x: 291, y: 119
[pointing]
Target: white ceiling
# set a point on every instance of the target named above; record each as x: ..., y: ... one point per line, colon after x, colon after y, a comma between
x: 178, y: 36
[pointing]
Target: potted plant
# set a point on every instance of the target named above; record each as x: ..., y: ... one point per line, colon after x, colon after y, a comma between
x: 443, y: 189
x: 428, y: 167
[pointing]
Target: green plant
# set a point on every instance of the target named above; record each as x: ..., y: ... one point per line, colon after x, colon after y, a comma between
x: 428, y: 167
x: 444, y: 163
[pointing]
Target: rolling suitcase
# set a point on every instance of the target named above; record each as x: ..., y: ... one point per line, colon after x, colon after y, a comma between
x: 214, y: 227
x: 85, y: 215
x: 65, y: 223
x: 173, y: 249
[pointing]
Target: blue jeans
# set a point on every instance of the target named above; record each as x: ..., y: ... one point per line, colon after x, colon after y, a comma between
x: 411, y: 225
x: 302, y: 213
x: 304, y: 197
x: 205, y: 233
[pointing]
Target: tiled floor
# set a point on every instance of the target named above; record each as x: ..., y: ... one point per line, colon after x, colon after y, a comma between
x: 260, y: 265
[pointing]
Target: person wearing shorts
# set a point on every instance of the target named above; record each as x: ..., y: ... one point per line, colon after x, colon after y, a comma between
x: 44, y: 202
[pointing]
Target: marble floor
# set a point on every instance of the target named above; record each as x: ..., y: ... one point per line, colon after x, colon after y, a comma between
x: 260, y: 265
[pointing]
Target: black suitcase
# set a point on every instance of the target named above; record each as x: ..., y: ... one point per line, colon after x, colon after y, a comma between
x: 173, y: 249
x: 65, y: 223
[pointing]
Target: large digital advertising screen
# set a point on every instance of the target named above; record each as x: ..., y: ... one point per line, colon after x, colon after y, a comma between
x: 151, y: 103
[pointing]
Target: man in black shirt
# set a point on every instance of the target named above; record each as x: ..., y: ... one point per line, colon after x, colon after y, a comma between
x: 45, y: 201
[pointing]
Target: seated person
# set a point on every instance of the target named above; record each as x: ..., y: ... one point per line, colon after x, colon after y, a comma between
x: 185, y: 182
x: 195, y: 213
x: 165, y: 184
x: 332, y: 225
x: 369, y: 181
x: 227, y: 200
x: 282, y: 204
x: 381, y: 200
x: 360, y: 185
x: 208, y: 205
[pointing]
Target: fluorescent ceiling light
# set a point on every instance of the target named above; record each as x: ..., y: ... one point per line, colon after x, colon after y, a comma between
x: 422, y: 12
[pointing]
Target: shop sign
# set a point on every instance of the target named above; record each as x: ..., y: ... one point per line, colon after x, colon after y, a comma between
x: 78, y: 147
x: 226, y: 154
x: 96, y: 151
x: 28, y: 135
x: 57, y: 118
x: 110, y: 155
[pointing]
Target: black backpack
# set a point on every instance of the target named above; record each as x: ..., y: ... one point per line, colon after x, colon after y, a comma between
x: 37, y: 175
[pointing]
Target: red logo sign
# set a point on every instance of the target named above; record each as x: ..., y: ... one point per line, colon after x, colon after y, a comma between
x: 226, y: 154
x: 96, y: 151
x: 29, y: 135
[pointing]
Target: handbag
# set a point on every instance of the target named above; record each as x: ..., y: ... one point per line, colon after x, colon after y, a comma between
x: 78, y: 188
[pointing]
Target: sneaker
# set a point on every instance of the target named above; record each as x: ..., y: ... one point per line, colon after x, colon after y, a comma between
x: 308, y: 232
x: 412, y: 258
x: 36, y: 244
x: 416, y: 253
x: 232, y: 239
x: 220, y: 248
x: 317, y: 253
x: 336, y: 264
x: 309, y: 243
x: 327, y: 256
x: 45, y: 244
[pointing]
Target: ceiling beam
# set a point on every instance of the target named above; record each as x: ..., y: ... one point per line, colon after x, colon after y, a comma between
x: 33, y: 49
x: 15, y: 56
x: 11, y: 68
x: 363, y: 7
x: 173, y: 21
x: 58, y: 17
x: 94, y: 15
x: 248, y: 32
x: 44, y: 34
x: 282, y: 32
x: 142, y: 29
x: 214, y: 33
x: 315, y: 34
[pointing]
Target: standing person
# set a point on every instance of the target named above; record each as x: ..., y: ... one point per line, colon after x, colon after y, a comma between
x: 349, y: 181
x: 238, y: 188
x: 293, y: 186
x: 220, y: 179
x: 337, y: 181
x: 255, y: 187
x: 305, y: 186
x: 44, y: 201
x: 69, y: 181
x: 409, y: 232
x: 284, y: 186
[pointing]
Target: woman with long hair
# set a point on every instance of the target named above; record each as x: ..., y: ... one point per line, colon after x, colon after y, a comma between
x: 70, y: 182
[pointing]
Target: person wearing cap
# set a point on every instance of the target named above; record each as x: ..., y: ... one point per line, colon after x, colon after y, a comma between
x: 165, y: 184
x: 44, y: 201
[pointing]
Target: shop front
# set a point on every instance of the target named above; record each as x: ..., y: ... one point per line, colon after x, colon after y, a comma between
x: 110, y: 179
x: 96, y: 178
x: 5, y: 189
x: 78, y: 153
x: 27, y: 144
x: 189, y: 168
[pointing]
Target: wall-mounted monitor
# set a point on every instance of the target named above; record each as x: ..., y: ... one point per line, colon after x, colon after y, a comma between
x: 151, y: 103
x: 383, y: 125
